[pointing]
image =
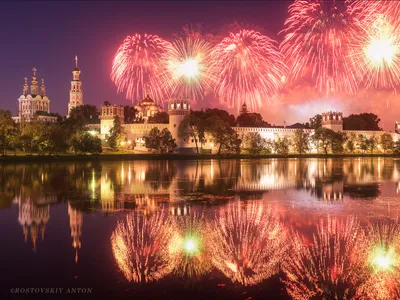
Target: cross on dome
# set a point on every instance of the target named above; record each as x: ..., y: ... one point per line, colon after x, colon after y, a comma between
x: 34, y: 71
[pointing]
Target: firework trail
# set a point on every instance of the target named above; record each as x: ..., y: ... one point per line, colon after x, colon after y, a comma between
x: 316, y: 42
x: 375, y: 52
x: 329, y: 267
x: 382, y: 262
x: 247, y: 67
x: 140, y: 247
x: 187, y: 63
x: 138, y: 66
x: 188, y: 249
x: 247, y: 243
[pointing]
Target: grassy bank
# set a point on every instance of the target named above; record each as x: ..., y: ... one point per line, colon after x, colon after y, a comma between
x: 148, y: 156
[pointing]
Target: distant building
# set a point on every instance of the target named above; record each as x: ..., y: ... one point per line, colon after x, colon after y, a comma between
x: 147, y: 108
x: 76, y: 93
x: 34, y: 104
x: 107, y: 115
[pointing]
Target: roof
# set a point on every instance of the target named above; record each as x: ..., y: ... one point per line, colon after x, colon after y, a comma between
x: 76, y: 69
x: 297, y: 125
x: 147, y: 101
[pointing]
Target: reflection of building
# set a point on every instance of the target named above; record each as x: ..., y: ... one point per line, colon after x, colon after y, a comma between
x: 332, y: 191
x: 34, y: 104
x: 75, y: 223
x: 33, y: 219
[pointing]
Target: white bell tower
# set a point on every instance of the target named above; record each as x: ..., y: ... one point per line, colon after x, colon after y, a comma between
x: 75, y: 94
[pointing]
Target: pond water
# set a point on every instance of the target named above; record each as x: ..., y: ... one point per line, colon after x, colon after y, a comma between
x: 202, y: 229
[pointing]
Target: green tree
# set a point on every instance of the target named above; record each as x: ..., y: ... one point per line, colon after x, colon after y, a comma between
x: 130, y: 114
x: 159, y: 118
x: 351, y: 143
x: 160, y: 141
x: 86, y: 143
x: 372, y: 143
x: 362, y: 143
x: 386, y: 141
x: 364, y: 121
x: 251, y: 120
x: 220, y: 113
x: 193, y: 126
x: 323, y: 138
x: 8, y: 131
x: 301, y: 141
x: 117, y: 134
x: 221, y: 132
x: 338, y: 140
x: 255, y: 143
x: 316, y: 122
x: 234, y: 143
x: 87, y: 111
x: 281, y: 145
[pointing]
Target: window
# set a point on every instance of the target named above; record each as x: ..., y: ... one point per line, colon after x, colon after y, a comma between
x: 174, y: 125
x: 192, y: 140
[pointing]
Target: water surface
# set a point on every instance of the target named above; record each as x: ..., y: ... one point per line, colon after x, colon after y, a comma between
x: 230, y: 229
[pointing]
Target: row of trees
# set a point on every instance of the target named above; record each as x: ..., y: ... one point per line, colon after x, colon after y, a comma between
x: 50, y: 138
x: 325, y: 140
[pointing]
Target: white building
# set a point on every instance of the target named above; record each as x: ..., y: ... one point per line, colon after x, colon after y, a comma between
x: 34, y: 104
x: 76, y: 93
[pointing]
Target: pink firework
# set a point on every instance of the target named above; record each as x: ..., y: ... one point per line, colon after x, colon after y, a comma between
x: 247, y: 67
x: 316, y: 38
x: 137, y: 67
x: 375, y: 51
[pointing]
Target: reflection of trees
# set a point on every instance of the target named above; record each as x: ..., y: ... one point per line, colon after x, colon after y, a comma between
x: 140, y: 246
x: 328, y: 267
x: 188, y: 248
x: 160, y: 173
x: 367, y: 191
x: 247, y: 242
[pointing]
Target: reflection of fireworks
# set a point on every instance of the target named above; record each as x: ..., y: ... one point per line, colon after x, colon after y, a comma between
x: 188, y: 248
x: 139, y: 245
x: 316, y: 41
x: 247, y: 243
x: 382, y: 263
x: 138, y: 64
x: 247, y: 67
x: 188, y: 65
x: 329, y: 267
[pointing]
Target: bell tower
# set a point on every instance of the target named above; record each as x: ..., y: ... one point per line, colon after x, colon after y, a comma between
x: 75, y: 94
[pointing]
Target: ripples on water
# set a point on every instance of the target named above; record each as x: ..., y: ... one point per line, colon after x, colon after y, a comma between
x: 234, y: 229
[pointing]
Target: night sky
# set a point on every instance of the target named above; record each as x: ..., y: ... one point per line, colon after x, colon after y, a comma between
x: 48, y: 35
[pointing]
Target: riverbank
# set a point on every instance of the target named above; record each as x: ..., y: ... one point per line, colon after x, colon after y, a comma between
x: 149, y: 156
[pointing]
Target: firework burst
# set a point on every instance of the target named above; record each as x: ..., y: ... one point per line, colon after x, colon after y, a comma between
x: 138, y: 65
x: 328, y: 267
x: 247, y: 67
x: 375, y: 53
x: 188, y: 68
x: 139, y: 245
x: 188, y: 250
x: 247, y: 243
x: 316, y: 38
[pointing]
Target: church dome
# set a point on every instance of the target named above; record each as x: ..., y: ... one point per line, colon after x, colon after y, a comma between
x: 147, y: 101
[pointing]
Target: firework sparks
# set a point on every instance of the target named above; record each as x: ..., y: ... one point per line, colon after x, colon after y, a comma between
x: 247, y: 243
x: 138, y: 65
x: 188, y: 68
x: 382, y: 262
x: 316, y: 42
x: 248, y: 68
x: 329, y: 267
x: 139, y: 245
x: 188, y: 246
x: 375, y: 54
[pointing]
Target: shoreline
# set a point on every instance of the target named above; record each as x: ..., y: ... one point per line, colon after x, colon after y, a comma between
x: 130, y: 156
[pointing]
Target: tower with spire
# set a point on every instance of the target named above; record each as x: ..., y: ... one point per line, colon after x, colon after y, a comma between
x: 34, y: 103
x: 75, y: 94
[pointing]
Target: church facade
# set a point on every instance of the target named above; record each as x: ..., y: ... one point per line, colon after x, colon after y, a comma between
x: 34, y: 103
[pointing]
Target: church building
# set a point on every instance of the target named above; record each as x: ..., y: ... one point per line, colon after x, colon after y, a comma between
x: 34, y: 104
